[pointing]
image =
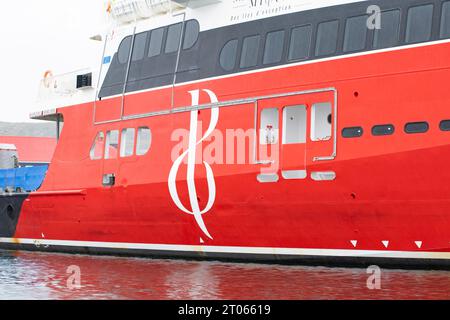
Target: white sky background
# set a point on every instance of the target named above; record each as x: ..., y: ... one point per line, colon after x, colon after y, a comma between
x: 40, y: 35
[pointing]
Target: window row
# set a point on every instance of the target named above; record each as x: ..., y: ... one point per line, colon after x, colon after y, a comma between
x: 419, y: 24
x: 153, y: 43
x: 389, y: 129
x: 131, y: 143
x: 294, y: 124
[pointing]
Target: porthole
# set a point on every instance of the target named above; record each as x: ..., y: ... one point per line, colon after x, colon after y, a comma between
x: 354, y: 132
x: 445, y: 125
x: 416, y: 127
x: 383, y: 130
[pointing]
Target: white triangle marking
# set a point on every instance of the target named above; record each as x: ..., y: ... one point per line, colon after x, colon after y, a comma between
x: 201, y: 241
x: 385, y: 243
x: 354, y: 243
x: 419, y: 244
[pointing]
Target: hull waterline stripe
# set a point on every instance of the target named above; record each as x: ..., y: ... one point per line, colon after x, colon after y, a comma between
x: 235, y: 250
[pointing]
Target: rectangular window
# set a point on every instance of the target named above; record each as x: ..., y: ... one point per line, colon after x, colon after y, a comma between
x: 419, y: 23
x: 144, y: 141
x: 445, y: 20
x: 98, y: 146
x: 250, y: 51
x: 140, y: 41
x: 191, y: 32
x: 294, y: 125
x: 173, y: 38
x: 156, y: 40
x: 327, y: 36
x: 127, y: 143
x: 269, y: 126
x: 355, y: 33
x: 112, y: 144
x: 300, y: 43
x: 123, y: 53
x: 321, y: 121
x: 388, y: 35
x: 228, y: 55
x: 273, y: 52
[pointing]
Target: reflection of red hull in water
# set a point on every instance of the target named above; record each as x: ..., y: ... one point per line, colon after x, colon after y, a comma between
x: 179, y: 280
x: 337, y: 200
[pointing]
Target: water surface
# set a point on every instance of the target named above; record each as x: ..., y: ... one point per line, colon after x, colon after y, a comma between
x: 29, y: 275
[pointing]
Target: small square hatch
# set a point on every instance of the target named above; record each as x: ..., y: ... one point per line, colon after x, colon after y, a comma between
x: 84, y: 81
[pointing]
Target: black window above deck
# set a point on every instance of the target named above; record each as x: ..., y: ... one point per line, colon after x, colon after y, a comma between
x: 445, y: 20
x: 228, y: 55
x: 173, y: 38
x: 273, y: 52
x: 156, y: 42
x: 419, y: 23
x: 388, y: 35
x: 250, y: 51
x: 300, y: 43
x: 139, y: 46
x: 327, y: 38
x: 355, y: 37
x: 309, y: 35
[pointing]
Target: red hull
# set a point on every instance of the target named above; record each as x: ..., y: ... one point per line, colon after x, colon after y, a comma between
x: 390, y: 198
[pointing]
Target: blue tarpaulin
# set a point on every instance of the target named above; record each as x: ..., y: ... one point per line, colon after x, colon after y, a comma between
x: 26, y: 178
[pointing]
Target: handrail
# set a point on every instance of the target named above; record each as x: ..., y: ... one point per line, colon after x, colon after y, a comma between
x: 81, y: 192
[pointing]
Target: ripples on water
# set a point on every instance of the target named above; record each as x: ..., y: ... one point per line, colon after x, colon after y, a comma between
x: 26, y: 275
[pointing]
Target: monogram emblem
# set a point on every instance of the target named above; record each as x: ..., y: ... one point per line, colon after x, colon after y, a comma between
x: 190, y: 153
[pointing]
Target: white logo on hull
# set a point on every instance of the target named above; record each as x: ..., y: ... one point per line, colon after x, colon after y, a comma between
x: 191, y: 154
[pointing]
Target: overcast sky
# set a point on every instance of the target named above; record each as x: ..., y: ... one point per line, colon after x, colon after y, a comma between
x: 40, y: 35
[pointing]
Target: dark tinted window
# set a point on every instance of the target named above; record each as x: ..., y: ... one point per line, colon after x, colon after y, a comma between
x: 445, y: 20
x: 354, y: 132
x: 327, y: 35
x: 173, y: 38
x: 445, y: 125
x: 124, y: 50
x: 228, y: 55
x: 383, y: 130
x: 388, y: 35
x: 192, y: 30
x: 156, y: 40
x: 140, y: 41
x: 419, y: 23
x: 250, y: 49
x: 273, y: 51
x: 300, y: 43
x: 355, y: 33
x: 416, y: 127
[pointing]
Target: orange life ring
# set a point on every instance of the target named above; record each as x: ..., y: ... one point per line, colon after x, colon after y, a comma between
x: 47, y: 77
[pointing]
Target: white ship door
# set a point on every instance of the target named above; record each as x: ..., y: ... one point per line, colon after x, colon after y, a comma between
x: 295, y: 133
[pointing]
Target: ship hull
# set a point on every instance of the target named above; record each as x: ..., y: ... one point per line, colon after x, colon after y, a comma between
x: 387, y: 201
